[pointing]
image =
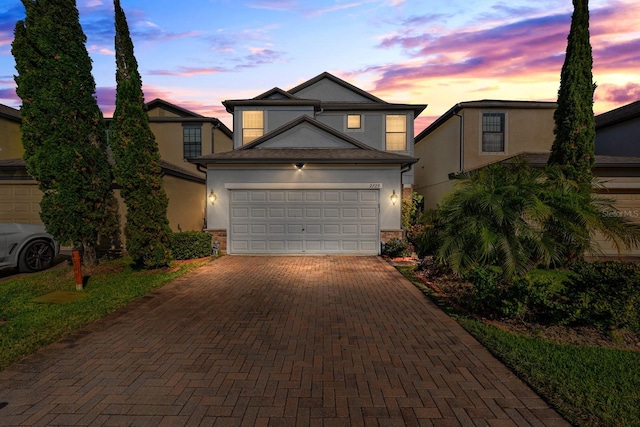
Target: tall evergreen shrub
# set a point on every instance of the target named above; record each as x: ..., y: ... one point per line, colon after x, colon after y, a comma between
x: 137, y: 159
x: 574, y: 144
x: 63, y: 130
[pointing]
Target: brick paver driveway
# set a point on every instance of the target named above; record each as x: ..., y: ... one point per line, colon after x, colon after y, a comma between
x: 282, y: 341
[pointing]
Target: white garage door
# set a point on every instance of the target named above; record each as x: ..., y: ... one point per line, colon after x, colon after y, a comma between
x: 304, y: 222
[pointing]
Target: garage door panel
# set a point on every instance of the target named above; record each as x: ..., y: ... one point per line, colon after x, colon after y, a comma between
x: 258, y: 213
x: 239, y: 196
x: 350, y: 229
x: 258, y: 229
x: 295, y: 212
x: 350, y: 196
x: 313, y: 213
x: 369, y: 246
x: 294, y: 246
x: 258, y: 245
x: 331, y: 229
x: 276, y: 229
x: 313, y: 196
x: 295, y: 196
x: 304, y: 221
x: 277, y: 196
x: 276, y: 245
x: 313, y: 229
x: 277, y: 213
x: 350, y: 213
x: 331, y: 212
x: 368, y: 229
x: 331, y: 196
x: 368, y: 213
x: 258, y: 196
x: 368, y: 196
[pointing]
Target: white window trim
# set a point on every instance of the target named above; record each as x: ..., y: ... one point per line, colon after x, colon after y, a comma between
x: 506, y: 134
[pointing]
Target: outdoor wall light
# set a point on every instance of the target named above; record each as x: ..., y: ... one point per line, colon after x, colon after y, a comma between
x: 212, y: 197
x: 394, y: 197
x: 299, y: 166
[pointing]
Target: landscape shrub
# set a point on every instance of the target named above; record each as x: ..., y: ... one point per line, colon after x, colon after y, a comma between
x: 190, y: 244
x: 396, y: 248
x: 605, y: 294
x: 535, y: 297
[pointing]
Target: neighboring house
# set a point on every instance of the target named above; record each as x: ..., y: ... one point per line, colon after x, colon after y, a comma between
x: 318, y: 169
x: 499, y: 131
x: 179, y: 133
x: 618, y: 131
x: 476, y: 133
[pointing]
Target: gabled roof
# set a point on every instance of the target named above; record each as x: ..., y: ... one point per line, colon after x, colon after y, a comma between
x: 160, y: 103
x: 618, y: 115
x: 10, y: 113
x: 314, y: 123
x: 341, y: 82
x: 288, y: 98
x: 276, y: 93
x: 485, y: 103
x: 354, y: 152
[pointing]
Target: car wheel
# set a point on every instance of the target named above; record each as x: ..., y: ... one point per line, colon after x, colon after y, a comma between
x: 36, y: 256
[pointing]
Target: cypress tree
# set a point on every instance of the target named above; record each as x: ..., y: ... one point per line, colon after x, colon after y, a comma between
x: 137, y: 159
x: 63, y: 131
x: 574, y: 144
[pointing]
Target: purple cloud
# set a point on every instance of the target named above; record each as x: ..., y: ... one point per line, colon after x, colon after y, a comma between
x: 618, y: 94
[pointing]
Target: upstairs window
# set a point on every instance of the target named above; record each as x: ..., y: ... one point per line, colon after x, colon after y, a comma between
x: 354, y: 121
x: 252, y: 125
x: 192, y: 141
x: 396, y: 132
x: 493, y: 133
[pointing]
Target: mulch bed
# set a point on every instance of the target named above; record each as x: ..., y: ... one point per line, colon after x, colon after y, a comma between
x: 453, y: 290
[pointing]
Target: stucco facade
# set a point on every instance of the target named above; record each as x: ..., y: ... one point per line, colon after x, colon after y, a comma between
x: 313, y: 170
x: 182, y: 181
x: 453, y: 143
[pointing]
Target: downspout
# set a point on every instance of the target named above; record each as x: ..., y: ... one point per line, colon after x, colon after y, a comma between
x: 461, y: 132
x: 199, y: 166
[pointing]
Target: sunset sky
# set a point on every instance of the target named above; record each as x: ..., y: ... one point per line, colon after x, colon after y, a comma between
x: 196, y: 54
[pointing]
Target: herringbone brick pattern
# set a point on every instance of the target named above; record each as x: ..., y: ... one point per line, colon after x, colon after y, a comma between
x: 273, y: 341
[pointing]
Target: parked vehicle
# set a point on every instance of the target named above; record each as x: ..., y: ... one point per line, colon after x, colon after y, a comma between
x: 27, y: 247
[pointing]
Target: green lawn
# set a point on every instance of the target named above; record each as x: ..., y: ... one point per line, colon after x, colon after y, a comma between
x: 26, y: 325
x: 589, y: 386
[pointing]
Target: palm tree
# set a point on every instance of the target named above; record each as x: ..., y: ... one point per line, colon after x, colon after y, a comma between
x: 516, y: 217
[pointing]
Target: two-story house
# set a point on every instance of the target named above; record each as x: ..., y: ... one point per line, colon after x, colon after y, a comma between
x: 180, y: 134
x: 474, y: 134
x: 318, y: 169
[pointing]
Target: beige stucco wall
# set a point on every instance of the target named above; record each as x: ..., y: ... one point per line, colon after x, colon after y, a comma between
x: 527, y: 130
x: 10, y: 139
x: 169, y: 138
x: 625, y: 192
x: 439, y: 155
x: 186, y: 203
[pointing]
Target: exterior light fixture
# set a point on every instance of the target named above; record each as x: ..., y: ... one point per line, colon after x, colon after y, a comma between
x: 212, y: 197
x: 394, y: 197
x: 299, y: 166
